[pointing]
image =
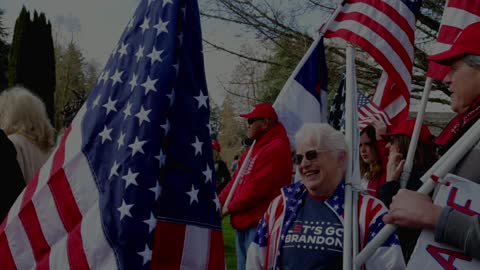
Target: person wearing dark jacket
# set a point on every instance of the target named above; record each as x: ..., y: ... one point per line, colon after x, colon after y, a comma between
x: 425, y: 156
x: 415, y: 210
x: 13, y: 182
x: 269, y: 168
x: 222, y: 174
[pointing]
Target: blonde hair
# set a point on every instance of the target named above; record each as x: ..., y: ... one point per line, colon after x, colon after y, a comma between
x: 322, y: 135
x: 22, y: 112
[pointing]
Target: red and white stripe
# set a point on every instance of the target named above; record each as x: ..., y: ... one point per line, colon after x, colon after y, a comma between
x: 385, y: 30
x: 55, y: 223
x: 180, y: 246
x: 457, y: 15
x: 369, y: 112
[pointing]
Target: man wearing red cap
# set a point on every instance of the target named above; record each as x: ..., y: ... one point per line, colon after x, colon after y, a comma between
x: 412, y: 209
x: 269, y: 168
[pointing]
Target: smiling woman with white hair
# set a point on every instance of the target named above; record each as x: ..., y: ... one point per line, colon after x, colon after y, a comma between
x: 303, y: 227
x: 24, y: 119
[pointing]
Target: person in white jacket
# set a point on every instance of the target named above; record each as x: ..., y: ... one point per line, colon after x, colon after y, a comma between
x: 303, y: 227
x: 24, y: 119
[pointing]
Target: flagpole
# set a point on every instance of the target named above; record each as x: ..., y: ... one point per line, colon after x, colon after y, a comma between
x: 237, y: 178
x: 349, y: 105
x: 443, y: 166
x: 407, y: 168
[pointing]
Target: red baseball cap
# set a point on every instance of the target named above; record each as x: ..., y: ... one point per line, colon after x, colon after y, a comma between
x: 216, y: 146
x: 262, y: 110
x: 406, y: 128
x: 466, y: 43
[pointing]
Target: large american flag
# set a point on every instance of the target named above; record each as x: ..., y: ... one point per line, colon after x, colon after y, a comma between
x: 457, y: 14
x: 385, y: 29
x: 131, y: 185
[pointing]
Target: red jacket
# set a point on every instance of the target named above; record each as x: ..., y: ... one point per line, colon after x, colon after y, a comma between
x: 269, y: 169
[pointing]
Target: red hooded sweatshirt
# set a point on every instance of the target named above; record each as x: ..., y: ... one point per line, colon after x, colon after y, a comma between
x: 269, y: 169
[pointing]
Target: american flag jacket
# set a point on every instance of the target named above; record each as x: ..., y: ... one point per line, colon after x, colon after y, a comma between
x: 265, y: 251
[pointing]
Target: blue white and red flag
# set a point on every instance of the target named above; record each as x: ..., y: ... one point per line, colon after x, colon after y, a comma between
x: 130, y: 186
x: 303, y: 98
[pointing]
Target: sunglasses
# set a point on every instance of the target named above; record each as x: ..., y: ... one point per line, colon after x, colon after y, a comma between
x: 309, y: 155
x: 253, y: 120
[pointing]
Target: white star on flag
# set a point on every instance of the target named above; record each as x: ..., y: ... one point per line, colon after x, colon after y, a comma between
x: 133, y: 82
x: 193, y: 195
x: 146, y: 254
x: 105, y: 134
x: 142, y: 115
x: 139, y: 54
x: 166, y: 126
x: 161, y: 158
x: 151, y: 222
x: 145, y: 25
x: 114, y: 170
x: 202, y: 100
x: 161, y: 27
x: 155, y: 56
x: 128, y: 110
x: 130, y: 178
x: 157, y: 190
x: 171, y: 97
x: 110, y: 105
x: 198, y: 146
x: 123, y: 49
x: 124, y: 210
x: 116, y: 78
x: 137, y: 146
x: 208, y: 174
x: 149, y: 85
x: 216, y: 201
x: 121, y: 140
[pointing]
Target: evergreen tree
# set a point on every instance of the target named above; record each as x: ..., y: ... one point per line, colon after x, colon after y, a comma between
x: 32, y: 60
x: 71, y: 80
x: 4, y: 47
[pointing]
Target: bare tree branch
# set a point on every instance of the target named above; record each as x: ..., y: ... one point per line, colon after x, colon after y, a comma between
x: 263, y: 61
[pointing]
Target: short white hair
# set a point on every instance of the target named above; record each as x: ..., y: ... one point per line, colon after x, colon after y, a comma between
x: 322, y: 135
x: 22, y: 112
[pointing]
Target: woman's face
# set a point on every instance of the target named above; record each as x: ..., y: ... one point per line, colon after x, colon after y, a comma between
x: 319, y: 168
x: 366, y: 149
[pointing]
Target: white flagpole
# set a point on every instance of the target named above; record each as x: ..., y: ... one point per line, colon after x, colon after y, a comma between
x: 443, y: 166
x: 348, y: 208
x: 239, y: 175
x: 407, y: 168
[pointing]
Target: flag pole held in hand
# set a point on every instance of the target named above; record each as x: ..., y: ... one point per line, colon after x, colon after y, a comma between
x: 443, y: 166
x: 237, y: 178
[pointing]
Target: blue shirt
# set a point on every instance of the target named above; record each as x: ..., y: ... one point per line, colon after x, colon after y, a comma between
x: 314, y: 240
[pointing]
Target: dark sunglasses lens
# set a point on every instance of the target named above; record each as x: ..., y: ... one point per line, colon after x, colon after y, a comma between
x: 251, y: 120
x: 298, y: 159
x: 311, y: 155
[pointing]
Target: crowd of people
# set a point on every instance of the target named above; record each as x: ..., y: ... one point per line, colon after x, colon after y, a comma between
x: 299, y: 225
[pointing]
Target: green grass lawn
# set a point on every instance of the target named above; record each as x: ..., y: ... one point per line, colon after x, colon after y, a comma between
x: 229, y: 241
